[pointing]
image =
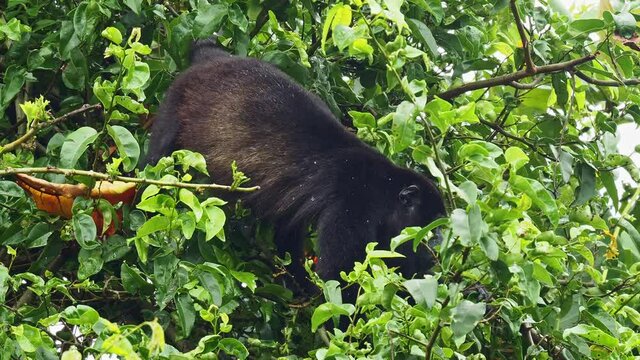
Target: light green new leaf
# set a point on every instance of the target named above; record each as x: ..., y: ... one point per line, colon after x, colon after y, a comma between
x: 516, y: 157
x: 112, y: 34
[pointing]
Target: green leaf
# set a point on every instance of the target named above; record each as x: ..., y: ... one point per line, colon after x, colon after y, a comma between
x: 136, y: 77
x: 127, y: 145
x: 85, y: 18
x: 134, y: 5
x: 4, y: 282
x: 85, y: 231
x: 189, y: 159
x: 237, y: 17
x: 587, y: 25
x: 131, y: 105
x: 465, y: 317
x: 208, y: 19
x: 112, y: 34
x: 625, y: 24
x: 186, y: 314
x: 38, y: 235
x: 587, y: 188
x: 592, y: 334
x: 90, y: 261
x: 327, y: 311
x: 213, y: 221
x: 189, y: 199
x: 133, y: 282
x: 468, y: 192
x: 559, y: 82
x: 470, y: 227
x: 234, y: 348
x: 245, y: 278
x: 155, y: 224
x: 10, y: 189
x: 404, y: 125
x: 424, y: 36
x: 160, y: 203
x: 338, y: 15
x: 75, y: 144
x: 363, y: 119
x: 540, y: 196
x: 71, y: 354
x: 516, y: 157
x: 433, y: 7
x: 81, y: 315
x: 75, y: 74
x: 343, y: 36
x: 212, y: 279
x: 424, y: 291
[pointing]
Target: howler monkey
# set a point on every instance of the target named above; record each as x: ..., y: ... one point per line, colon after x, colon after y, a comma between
x: 310, y: 169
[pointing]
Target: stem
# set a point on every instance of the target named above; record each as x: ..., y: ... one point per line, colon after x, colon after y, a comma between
x: 530, y: 66
x: 593, y: 81
x: 103, y: 176
x: 34, y: 130
x: 507, y: 79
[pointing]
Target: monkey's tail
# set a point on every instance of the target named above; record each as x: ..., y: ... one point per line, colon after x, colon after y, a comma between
x: 205, y: 50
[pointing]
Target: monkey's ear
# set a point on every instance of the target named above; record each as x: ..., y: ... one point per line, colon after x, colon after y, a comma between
x: 409, y: 195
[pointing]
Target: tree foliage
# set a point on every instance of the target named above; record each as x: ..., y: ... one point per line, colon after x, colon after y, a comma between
x: 513, y: 106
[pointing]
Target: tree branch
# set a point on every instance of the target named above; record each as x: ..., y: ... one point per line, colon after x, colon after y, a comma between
x: 528, y: 86
x: 598, y: 82
x: 530, y: 66
x: 515, y: 76
x: 535, y: 338
x: 103, y: 176
x: 507, y: 134
x: 34, y: 130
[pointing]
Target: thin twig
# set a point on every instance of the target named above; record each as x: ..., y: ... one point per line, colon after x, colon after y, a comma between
x: 599, y: 82
x: 507, y: 79
x: 530, y: 66
x: 34, y: 130
x: 535, y: 338
x: 529, y: 86
x: 514, y: 137
x: 103, y: 176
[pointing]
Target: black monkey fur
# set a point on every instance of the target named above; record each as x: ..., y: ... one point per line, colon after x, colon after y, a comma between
x: 311, y: 170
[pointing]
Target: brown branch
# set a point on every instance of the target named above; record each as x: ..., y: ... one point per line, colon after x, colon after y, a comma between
x: 34, y: 130
x: 598, y: 82
x: 528, y: 86
x: 535, y: 338
x: 103, y: 176
x: 507, y: 79
x: 530, y: 66
x: 507, y: 134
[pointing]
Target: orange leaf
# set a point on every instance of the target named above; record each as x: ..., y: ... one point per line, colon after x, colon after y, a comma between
x: 57, y: 199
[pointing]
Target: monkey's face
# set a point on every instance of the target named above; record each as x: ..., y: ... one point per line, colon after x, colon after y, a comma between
x: 417, y: 204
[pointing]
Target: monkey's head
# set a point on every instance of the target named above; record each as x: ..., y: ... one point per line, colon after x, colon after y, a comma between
x: 417, y: 202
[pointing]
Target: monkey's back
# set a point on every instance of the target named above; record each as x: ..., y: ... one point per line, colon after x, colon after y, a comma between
x: 241, y: 109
